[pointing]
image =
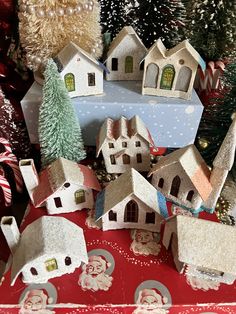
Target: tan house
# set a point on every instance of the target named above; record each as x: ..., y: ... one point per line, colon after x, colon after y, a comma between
x: 125, y: 144
x: 124, y: 56
x: 129, y: 202
x: 171, y: 73
x: 201, y: 248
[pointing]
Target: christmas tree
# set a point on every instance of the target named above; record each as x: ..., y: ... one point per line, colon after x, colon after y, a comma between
x: 13, y: 129
x: 59, y: 130
x: 163, y: 19
x: 47, y: 27
x: 217, y: 116
x: 211, y: 28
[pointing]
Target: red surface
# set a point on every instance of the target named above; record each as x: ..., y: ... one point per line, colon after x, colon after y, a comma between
x: 130, y: 271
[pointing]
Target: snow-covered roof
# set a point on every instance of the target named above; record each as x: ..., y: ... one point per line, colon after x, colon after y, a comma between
x: 205, y: 243
x: 181, y: 46
x: 48, y: 236
x: 126, y: 31
x: 58, y: 173
x: 193, y: 166
x: 130, y: 183
x: 111, y: 130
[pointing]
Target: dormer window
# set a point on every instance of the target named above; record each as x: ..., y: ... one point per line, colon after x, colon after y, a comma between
x: 110, y: 145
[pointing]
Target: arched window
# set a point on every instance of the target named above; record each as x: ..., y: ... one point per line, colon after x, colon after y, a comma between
x: 190, y: 196
x: 70, y: 82
x: 112, y: 216
x: 139, y: 158
x: 167, y: 78
x: 131, y: 212
x: 79, y: 196
x: 68, y: 261
x: 151, y: 76
x: 161, y: 183
x: 184, y: 78
x: 33, y: 271
x: 175, y: 186
x: 126, y: 159
x: 129, y: 64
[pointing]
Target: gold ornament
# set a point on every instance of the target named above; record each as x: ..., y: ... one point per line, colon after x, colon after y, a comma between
x: 203, y: 143
x: 223, y: 208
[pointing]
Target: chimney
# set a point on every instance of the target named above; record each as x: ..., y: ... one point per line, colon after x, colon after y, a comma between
x: 29, y: 175
x: 11, y: 232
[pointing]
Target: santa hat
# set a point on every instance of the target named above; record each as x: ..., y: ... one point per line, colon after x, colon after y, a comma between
x: 99, y: 259
x: 39, y: 293
x: 153, y: 293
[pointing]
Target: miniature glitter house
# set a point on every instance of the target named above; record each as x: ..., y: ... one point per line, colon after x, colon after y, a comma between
x: 125, y: 144
x: 49, y: 247
x: 124, y: 56
x: 185, y: 237
x: 64, y: 186
x: 171, y: 73
x: 129, y: 202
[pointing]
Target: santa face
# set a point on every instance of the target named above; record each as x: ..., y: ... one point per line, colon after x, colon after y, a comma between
x: 94, y: 268
x: 34, y: 303
x: 151, y: 302
x: 143, y: 236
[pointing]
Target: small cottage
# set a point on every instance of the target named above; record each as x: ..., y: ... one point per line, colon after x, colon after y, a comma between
x: 193, y: 243
x: 63, y: 187
x: 124, y: 57
x: 82, y: 74
x: 172, y: 72
x: 49, y: 247
x: 129, y: 202
x: 125, y: 144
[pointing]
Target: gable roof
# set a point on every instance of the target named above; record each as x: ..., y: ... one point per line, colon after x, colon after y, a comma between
x: 58, y: 173
x: 193, y: 166
x: 129, y: 183
x: 205, y: 243
x: 48, y: 236
x: 181, y: 46
x: 111, y: 130
x: 126, y: 31
x: 69, y: 51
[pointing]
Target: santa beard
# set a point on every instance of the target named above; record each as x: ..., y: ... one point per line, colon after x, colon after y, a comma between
x: 42, y: 311
x: 100, y: 282
x: 149, y: 248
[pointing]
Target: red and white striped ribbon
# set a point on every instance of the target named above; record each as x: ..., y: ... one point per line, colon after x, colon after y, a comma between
x: 4, y: 184
x: 6, y: 144
x: 11, y: 160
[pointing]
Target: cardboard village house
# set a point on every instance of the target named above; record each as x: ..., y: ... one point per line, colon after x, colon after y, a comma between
x: 48, y: 247
x: 171, y: 73
x: 130, y: 202
x: 64, y: 186
x: 124, y: 56
x: 125, y: 144
x: 184, y: 178
x: 185, y: 237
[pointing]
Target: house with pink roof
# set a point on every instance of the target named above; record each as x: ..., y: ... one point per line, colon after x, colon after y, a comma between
x: 125, y: 144
x: 64, y: 186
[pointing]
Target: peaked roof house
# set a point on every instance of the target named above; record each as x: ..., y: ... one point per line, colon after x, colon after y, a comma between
x: 125, y: 144
x: 130, y: 202
x: 124, y: 56
x: 172, y: 72
x: 49, y: 247
x: 186, y: 235
x: 82, y: 74
x: 64, y: 186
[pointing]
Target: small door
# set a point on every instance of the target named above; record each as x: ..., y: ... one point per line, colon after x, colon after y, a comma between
x: 151, y: 76
x: 126, y: 159
x: 70, y: 82
x: 114, y: 64
x: 51, y: 265
x: 129, y: 64
x: 79, y: 196
x: 175, y: 186
x: 167, y: 78
x: 91, y: 79
x: 184, y: 78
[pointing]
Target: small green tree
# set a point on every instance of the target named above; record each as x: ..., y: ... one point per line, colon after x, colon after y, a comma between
x: 59, y: 130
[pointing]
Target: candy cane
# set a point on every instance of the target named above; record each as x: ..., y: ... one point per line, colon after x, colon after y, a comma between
x: 6, y: 144
x: 4, y: 184
x: 11, y: 160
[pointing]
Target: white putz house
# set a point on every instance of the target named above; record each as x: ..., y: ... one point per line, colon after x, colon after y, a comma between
x: 124, y: 56
x: 82, y: 74
x: 49, y: 247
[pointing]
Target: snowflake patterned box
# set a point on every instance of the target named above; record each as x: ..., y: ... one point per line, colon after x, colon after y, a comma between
x: 171, y: 122
x: 109, y: 282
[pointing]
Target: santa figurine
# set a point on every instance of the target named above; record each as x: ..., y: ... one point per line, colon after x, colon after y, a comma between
x: 150, y: 301
x: 93, y: 276
x: 35, y: 301
x: 144, y: 243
